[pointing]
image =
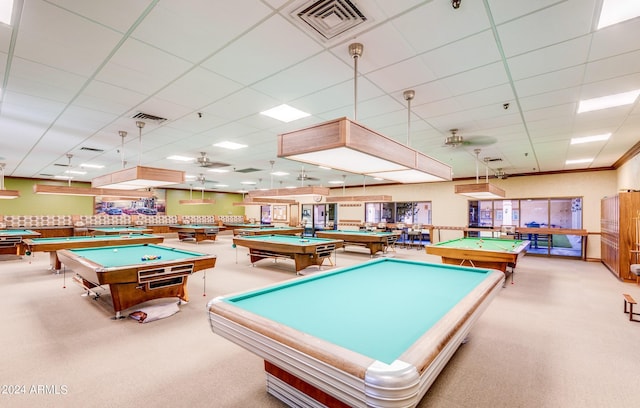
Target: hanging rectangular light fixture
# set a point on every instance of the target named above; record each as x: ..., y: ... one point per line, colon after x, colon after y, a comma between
x: 89, y: 192
x: 6, y: 194
x: 363, y: 198
x: 139, y: 177
x: 345, y: 145
x: 289, y: 192
x: 483, y: 191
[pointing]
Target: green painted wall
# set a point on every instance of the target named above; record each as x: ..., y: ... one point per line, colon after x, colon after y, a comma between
x: 43, y: 204
x: 223, y: 206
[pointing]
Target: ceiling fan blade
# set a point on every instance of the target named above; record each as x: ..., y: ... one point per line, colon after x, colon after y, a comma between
x: 479, y: 140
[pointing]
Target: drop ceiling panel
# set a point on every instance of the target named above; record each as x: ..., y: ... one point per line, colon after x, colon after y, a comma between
x: 562, y: 22
x: 549, y: 59
x: 238, y: 62
x: 463, y: 55
x: 318, y: 72
x: 198, y: 88
x: 612, y: 40
x: 552, y: 81
x: 139, y: 67
x: 505, y: 10
x: 621, y: 65
x: 5, y: 38
x: 436, y: 24
x: 118, y: 14
x: 31, y: 78
x: 398, y: 76
x: 49, y: 35
x: 476, y: 79
x: 194, y: 36
x: 109, y: 98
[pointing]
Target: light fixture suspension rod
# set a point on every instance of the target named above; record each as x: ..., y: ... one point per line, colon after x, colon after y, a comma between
x: 355, y: 50
x: 69, y: 156
x: 408, y: 96
x: 140, y: 124
x: 2, y: 178
x: 122, y: 134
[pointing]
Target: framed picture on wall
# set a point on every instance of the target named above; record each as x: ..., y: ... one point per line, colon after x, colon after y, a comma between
x: 279, y: 213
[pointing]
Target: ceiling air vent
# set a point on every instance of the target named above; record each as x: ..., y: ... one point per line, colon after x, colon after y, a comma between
x: 247, y: 170
x: 329, y: 18
x: 146, y: 116
x: 92, y: 149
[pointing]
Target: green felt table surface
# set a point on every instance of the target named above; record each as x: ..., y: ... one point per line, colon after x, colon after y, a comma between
x: 287, y: 239
x: 357, y: 232
x: 378, y: 308
x: 118, y: 228
x: 123, y: 255
x: 88, y: 238
x: 12, y: 232
x: 489, y: 244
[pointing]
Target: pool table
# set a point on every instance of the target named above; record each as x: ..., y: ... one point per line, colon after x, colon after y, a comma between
x: 493, y: 253
x: 269, y: 231
x: 236, y: 225
x: 304, y: 251
x: 10, y: 239
x: 374, y: 334
x: 118, y: 230
x: 374, y: 241
x: 132, y: 279
x: 51, y: 245
x: 197, y: 232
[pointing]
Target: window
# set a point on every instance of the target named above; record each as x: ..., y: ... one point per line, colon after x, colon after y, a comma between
x: 405, y: 212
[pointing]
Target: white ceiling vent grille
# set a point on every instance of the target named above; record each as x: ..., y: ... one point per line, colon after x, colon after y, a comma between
x: 329, y: 18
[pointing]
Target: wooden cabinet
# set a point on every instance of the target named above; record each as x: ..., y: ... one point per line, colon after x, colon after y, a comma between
x: 618, y: 215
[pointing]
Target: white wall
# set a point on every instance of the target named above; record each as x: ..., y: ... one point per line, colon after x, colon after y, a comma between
x: 629, y: 175
x: 450, y: 209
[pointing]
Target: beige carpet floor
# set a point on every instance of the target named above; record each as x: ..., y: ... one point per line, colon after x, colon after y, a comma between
x: 557, y: 337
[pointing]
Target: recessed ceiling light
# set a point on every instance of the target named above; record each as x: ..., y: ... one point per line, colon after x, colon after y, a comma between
x: 221, y: 185
x: 610, y: 101
x: 589, y: 139
x: 92, y: 166
x: 248, y: 183
x: 578, y: 161
x: 64, y: 177
x: 218, y: 171
x: 378, y: 178
x: 617, y: 11
x: 6, y: 9
x: 75, y: 172
x: 336, y: 182
x: 324, y: 167
x: 230, y: 145
x: 285, y: 113
x: 280, y: 173
x: 180, y: 158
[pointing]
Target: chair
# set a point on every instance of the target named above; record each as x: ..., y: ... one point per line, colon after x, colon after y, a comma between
x: 414, y: 232
x: 634, y: 268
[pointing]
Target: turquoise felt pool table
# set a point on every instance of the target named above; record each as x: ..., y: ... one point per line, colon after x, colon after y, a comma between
x: 481, y: 252
x: 374, y: 334
x: 374, y: 241
x: 52, y: 245
x: 10, y: 239
x: 132, y: 274
x: 119, y: 230
x: 269, y: 231
x: 196, y: 232
x: 304, y: 251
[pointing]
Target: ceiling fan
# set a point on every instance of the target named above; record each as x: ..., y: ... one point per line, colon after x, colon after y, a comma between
x: 455, y: 140
x: 204, y: 161
x: 303, y: 176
